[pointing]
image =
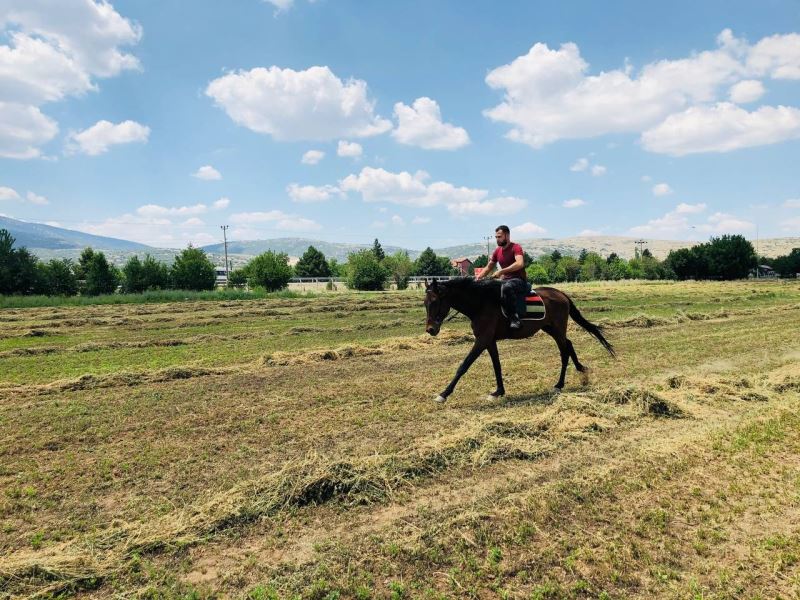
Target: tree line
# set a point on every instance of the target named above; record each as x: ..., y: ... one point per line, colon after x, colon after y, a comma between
x: 725, y: 257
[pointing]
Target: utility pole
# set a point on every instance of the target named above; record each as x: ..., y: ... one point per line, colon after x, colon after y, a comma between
x: 225, y: 238
x: 639, y: 248
x: 488, y: 253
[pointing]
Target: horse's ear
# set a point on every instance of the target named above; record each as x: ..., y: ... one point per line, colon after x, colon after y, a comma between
x: 427, y: 284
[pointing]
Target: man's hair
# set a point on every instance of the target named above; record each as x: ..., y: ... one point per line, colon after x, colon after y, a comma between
x: 504, y: 229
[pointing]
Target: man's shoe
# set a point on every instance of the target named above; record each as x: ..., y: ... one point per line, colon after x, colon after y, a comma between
x: 515, y: 322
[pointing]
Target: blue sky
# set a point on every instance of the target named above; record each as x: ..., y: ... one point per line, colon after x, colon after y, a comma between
x: 421, y: 123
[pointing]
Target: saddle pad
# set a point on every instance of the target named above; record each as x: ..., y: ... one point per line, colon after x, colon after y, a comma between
x: 533, y: 307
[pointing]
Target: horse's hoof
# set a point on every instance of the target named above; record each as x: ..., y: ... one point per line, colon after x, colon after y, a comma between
x: 556, y: 390
x: 585, y: 375
x: 491, y: 397
x: 440, y: 399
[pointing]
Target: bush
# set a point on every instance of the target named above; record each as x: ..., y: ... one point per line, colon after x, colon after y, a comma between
x: 537, y: 274
x: 365, y: 271
x: 19, y: 273
x: 269, y: 270
x: 192, y: 270
x: 400, y: 267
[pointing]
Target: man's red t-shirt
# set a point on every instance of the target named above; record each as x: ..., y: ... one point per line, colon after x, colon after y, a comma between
x: 505, y: 255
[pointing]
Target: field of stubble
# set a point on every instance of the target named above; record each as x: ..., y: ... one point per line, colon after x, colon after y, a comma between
x: 283, y: 448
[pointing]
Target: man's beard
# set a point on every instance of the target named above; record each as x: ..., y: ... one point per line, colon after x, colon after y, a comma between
x: 503, y: 243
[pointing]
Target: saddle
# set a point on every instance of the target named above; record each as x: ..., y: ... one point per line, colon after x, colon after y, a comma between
x: 530, y: 307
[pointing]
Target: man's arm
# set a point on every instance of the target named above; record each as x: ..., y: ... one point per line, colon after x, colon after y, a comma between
x: 519, y: 263
x: 487, y: 269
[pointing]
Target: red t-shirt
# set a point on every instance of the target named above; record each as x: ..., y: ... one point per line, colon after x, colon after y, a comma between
x: 505, y: 255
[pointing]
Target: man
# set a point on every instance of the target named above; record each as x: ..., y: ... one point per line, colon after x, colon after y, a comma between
x: 512, y: 270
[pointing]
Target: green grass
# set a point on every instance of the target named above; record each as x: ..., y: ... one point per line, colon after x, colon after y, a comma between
x: 144, y: 298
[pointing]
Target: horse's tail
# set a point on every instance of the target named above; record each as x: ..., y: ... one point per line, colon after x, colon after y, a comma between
x: 593, y: 329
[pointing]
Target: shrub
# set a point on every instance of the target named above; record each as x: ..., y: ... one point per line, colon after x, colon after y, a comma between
x: 365, y: 271
x: 269, y: 270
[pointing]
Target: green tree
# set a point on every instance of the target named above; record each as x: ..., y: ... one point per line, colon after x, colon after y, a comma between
x: 612, y: 257
x: 58, y: 278
x: 537, y: 274
x: 155, y: 274
x: 428, y: 264
x: 133, y: 276
x: 730, y: 257
x: 572, y: 268
x: 377, y: 250
x: 481, y: 261
x: 237, y: 278
x: 193, y: 270
x: 365, y: 271
x: 582, y: 256
x: 527, y: 259
x: 616, y: 269
x: 19, y: 271
x: 312, y: 264
x: 336, y: 268
x: 101, y: 277
x: 400, y: 267
x: 269, y: 270
x: 592, y: 267
x: 788, y: 265
x: 555, y: 256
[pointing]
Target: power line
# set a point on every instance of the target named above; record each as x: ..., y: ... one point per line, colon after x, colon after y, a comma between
x: 225, y: 241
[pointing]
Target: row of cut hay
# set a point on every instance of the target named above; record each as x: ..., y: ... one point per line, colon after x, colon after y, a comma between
x: 316, y: 479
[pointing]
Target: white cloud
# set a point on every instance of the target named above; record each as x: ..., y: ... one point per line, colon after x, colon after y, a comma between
x: 722, y: 128
x: 724, y: 223
x: 379, y: 185
x: 528, y: 228
x: 420, y: 220
x: 574, y: 203
x: 7, y: 193
x: 156, y: 210
x: 598, y: 170
x: 158, y: 231
x: 791, y: 225
x: 662, y: 189
x: 222, y: 203
x: 549, y: 94
x: 55, y: 50
x: 398, y: 220
x: 505, y: 205
x: 312, y: 157
x: 777, y: 56
x: 194, y: 222
x: 207, y: 173
x: 580, y: 165
x: 590, y: 233
x: 311, y: 193
x: 37, y: 199
x: 98, y: 138
x: 421, y: 125
x: 278, y: 219
x: 791, y: 203
x: 349, y: 149
x: 23, y: 129
x: 748, y: 90
x: 297, y: 105
x: 684, y: 208
x: 281, y: 5
x: 676, y: 222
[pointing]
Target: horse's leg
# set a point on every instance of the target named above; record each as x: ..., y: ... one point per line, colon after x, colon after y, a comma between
x: 498, y: 373
x: 582, y: 369
x: 561, y: 340
x: 477, y: 348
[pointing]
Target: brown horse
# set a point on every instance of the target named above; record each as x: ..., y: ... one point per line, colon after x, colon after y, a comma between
x: 479, y: 301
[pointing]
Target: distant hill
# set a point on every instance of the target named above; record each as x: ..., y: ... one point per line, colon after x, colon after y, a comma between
x: 47, y: 242
x: 295, y: 247
x: 47, y: 237
x: 605, y: 245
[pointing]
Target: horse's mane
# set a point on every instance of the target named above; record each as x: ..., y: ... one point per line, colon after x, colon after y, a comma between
x: 486, y: 289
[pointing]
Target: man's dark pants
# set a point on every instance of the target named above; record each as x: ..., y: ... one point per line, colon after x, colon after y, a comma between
x: 510, y: 292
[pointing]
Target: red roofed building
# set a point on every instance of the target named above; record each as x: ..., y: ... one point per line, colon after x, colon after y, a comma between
x: 462, y: 264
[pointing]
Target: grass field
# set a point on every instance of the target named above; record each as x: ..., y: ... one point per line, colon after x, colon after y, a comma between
x: 289, y: 447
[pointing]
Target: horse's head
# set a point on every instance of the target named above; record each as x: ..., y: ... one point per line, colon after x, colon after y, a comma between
x: 437, y: 305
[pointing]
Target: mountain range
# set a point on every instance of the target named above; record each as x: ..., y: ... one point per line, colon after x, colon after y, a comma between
x: 47, y: 241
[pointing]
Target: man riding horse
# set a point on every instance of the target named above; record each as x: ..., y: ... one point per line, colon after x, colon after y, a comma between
x: 510, y: 256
